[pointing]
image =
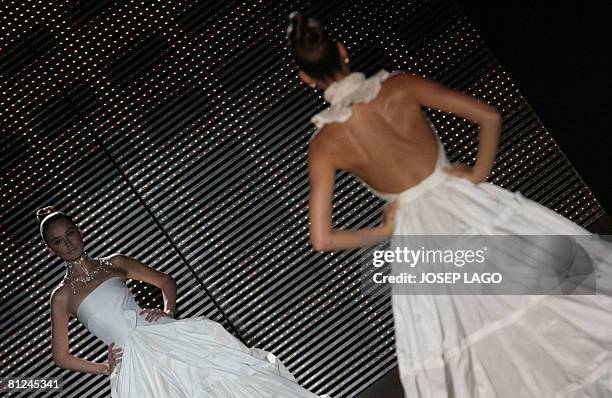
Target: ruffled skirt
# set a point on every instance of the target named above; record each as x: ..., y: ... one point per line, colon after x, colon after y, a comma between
x: 500, y: 345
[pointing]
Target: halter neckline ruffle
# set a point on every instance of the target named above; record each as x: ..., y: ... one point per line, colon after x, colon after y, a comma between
x: 352, y: 89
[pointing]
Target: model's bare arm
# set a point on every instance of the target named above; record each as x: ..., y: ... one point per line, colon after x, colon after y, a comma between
x: 323, y: 237
x: 134, y: 269
x: 429, y: 93
x: 59, y: 339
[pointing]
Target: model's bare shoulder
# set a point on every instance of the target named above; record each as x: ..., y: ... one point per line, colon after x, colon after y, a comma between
x: 400, y: 80
x: 327, y: 134
x: 401, y: 76
x: 327, y: 140
x: 397, y: 92
x: 59, y: 296
x: 118, y: 260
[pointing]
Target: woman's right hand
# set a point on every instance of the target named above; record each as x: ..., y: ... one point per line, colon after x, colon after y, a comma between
x: 462, y: 170
x: 114, y: 357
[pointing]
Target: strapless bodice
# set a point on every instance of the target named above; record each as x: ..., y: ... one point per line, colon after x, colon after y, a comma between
x: 111, y: 313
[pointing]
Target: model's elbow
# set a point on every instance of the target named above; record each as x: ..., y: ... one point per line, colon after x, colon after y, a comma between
x: 61, y: 356
x: 59, y: 361
x: 318, y: 245
x: 319, y: 242
x: 169, y: 281
x: 494, y: 116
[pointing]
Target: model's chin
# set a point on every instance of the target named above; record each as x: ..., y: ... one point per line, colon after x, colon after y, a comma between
x: 73, y: 255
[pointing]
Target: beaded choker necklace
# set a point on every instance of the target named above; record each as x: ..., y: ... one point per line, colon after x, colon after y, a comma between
x: 100, y: 265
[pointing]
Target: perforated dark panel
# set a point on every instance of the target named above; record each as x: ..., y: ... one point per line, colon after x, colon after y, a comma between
x: 176, y: 132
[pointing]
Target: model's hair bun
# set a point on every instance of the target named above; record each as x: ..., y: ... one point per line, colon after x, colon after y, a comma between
x: 314, y: 52
x: 304, y: 32
x: 43, y: 212
x: 296, y: 19
x: 295, y: 28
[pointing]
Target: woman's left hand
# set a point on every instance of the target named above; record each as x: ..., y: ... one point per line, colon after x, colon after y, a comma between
x: 153, y: 314
x: 389, y: 215
x: 463, y: 170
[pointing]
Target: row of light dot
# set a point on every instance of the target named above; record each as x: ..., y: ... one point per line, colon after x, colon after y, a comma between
x: 334, y: 300
x: 37, y: 325
x: 512, y: 174
x: 156, y: 90
x: 494, y: 98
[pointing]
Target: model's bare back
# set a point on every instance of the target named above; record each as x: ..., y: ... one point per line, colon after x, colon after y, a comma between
x: 386, y: 142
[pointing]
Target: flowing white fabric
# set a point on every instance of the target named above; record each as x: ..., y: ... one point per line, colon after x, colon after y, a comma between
x: 483, y: 346
x: 169, y: 358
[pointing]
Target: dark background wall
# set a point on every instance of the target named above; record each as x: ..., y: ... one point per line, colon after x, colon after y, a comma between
x: 177, y: 132
x: 560, y: 55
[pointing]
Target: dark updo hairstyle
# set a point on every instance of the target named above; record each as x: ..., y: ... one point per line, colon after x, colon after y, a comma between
x: 47, y: 216
x: 314, y: 52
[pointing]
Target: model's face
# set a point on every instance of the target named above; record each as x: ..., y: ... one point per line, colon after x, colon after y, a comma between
x: 64, y: 239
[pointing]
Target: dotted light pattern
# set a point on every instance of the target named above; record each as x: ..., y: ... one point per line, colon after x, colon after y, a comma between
x: 176, y: 132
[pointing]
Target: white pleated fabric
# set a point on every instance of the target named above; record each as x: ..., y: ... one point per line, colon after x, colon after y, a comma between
x: 484, y: 346
x: 169, y: 358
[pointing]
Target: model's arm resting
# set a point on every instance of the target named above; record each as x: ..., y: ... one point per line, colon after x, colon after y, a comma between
x: 323, y: 237
x: 136, y: 270
x: 59, y: 339
x: 431, y: 94
x: 81, y: 365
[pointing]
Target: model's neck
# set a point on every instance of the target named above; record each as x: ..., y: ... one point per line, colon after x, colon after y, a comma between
x: 80, y: 266
x: 337, y: 77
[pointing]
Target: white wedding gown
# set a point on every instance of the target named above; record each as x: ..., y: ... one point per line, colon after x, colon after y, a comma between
x: 485, y: 346
x: 187, y: 358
